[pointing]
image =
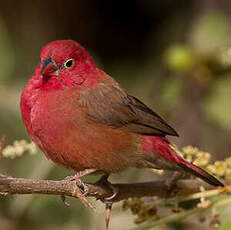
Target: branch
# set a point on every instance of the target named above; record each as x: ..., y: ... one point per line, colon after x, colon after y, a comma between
x: 100, y: 189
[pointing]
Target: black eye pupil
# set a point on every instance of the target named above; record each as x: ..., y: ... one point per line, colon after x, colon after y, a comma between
x: 69, y: 63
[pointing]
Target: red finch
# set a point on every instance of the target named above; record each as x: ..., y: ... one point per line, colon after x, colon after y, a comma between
x: 81, y: 118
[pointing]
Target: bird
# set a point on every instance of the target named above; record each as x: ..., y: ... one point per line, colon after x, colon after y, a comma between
x: 82, y: 119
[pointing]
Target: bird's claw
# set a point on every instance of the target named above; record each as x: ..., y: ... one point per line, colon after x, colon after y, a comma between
x: 110, y: 198
x: 63, y: 198
x: 79, y: 183
x: 104, y: 180
x: 79, y: 174
x: 83, y: 187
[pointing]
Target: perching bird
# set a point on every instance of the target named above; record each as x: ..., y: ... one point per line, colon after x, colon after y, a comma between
x: 81, y: 118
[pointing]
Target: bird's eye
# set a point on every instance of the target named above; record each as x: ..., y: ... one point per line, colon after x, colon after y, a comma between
x: 69, y: 63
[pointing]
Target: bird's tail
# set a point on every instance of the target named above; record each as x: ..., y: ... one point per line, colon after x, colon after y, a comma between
x: 161, y: 146
x: 195, y: 170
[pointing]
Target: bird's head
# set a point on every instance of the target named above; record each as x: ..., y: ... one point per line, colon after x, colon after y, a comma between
x: 66, y: 64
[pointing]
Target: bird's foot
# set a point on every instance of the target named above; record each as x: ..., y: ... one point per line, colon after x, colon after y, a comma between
x: 76, y: 177
x: 104, y: 181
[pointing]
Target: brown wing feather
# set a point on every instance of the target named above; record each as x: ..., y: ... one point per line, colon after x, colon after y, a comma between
x: 111, y: 105
x: 149, y: 119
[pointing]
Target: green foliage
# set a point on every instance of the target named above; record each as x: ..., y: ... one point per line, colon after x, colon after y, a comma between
x: 217, y: 103
x: 210, y: 33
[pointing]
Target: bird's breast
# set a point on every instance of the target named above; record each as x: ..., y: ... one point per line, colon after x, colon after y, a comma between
x: 67, y: 135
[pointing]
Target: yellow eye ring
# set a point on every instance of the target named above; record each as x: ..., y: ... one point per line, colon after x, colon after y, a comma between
x: 69, y: 63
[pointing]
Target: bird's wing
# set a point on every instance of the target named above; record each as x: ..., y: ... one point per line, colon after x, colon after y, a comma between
x: 111, y: 105
x: 147, y: 121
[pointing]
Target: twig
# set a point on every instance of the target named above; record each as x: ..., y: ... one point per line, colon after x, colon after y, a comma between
x: 195, y: 196
x: 10, y: 185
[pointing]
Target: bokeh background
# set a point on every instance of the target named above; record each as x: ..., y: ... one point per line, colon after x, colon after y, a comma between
x: 173, y: 55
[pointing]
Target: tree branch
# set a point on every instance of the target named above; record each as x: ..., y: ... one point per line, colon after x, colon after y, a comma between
x: 100, y: 189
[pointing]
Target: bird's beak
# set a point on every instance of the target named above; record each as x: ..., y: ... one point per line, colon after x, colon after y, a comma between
x: 48, y: 66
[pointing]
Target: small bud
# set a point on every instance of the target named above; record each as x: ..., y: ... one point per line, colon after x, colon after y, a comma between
x: 228, y: 161
x: 18, y: 148
x: 228, y: 174
x: 202, y: 159
x: 204, y: 204
x: 220, y: 167
x: 190, y: 150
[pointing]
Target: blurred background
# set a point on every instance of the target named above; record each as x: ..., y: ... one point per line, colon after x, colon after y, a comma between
x: 173, y: 55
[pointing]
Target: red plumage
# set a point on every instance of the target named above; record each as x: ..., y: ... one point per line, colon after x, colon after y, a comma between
x: 82, y: 119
